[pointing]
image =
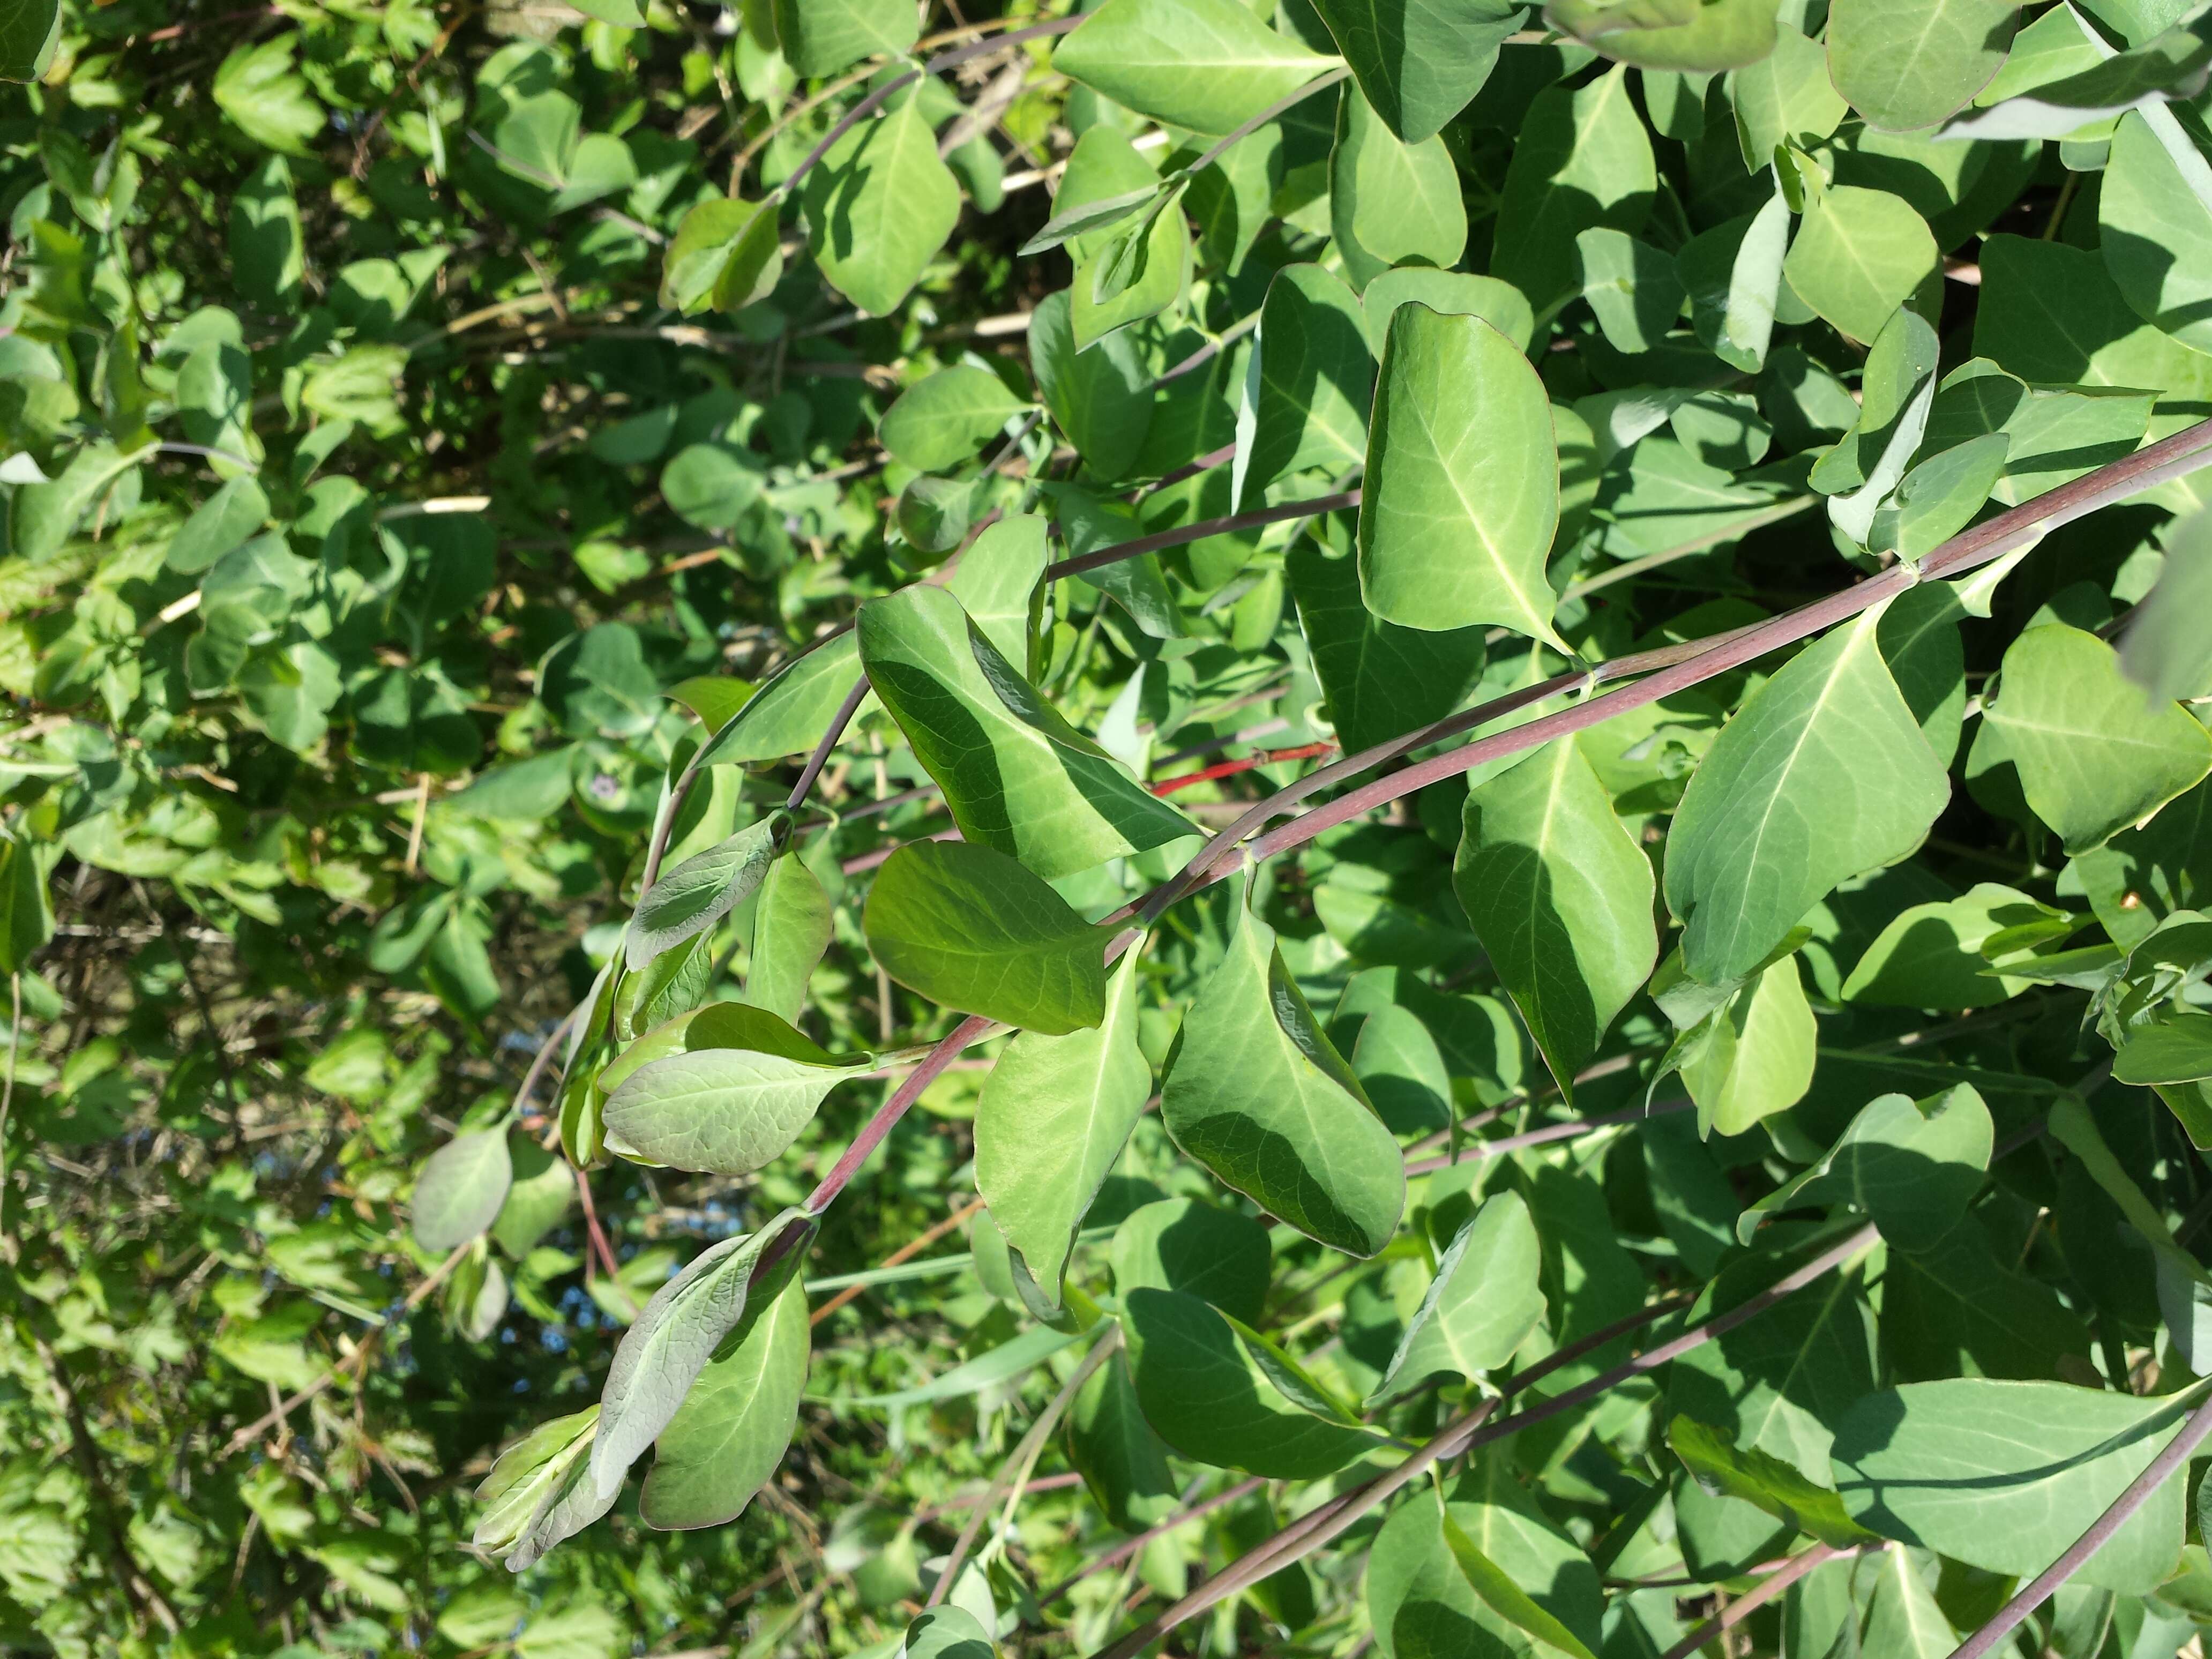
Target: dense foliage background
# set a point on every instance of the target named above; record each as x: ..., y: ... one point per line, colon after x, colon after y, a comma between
x: 448, y: 449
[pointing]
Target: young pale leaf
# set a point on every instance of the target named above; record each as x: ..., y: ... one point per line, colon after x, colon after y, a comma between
x: 942, y: 421
x: 1484, y: 1300
x: 1419, y: 62
x: 1130, y: 269
x: 2155, y: 230
x: 722, y: 1090
x: 1582, y: 158
x: 725, y: 255
x: 1309, y: 383
x: 2168, y: 649
x: 540, y: 1491
x: 1254, y: 1091
x: 1911, y: 1166
x: 1903, y: 1617
x: 2066, y: 82
x: 1083, y: 218
x: 731, y: 1431
x: 460, y: 1189
x: 702, y: 889
x: 1734, y: 277
x: 662, y: 1354
x: 1721, y: 1466
x: 1016, y: 776
x: 879, y: 207
x: 1703, y: 37
x: 1055, y: 1115
x: 1463, y: 491
x: 1497, y: 1591
x: 1824, y: 774
x: 1207, y: 65
x: 2005, y: 1475
x: 1391, y: 203
x: 1187, y: 1244
x: 1905, y: 65
x: 2093, y: 755
x: 792, y: 928
x: 1858, y: 256
x: 1560, y: 896
x: 1221, y: 1394
x: 974, y: 930
x: 1786, y: 98
x: 821, y: 37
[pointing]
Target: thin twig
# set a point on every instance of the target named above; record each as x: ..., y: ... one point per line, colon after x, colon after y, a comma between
x: 1750, y: 1602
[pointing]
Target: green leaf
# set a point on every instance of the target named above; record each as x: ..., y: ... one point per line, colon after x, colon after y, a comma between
x: 1630, y: 285
x: 728, y: 1437
x: 224, y: 521
x: 1419, y: 62
x: 2155, y: 230
x: 1903, y: 1617
x: 1135, y: 268
x: 678, y: 1331
x: 946, y: 1632
x: 791, y: 928
x: 1786, y: 98
x: 1462, y: 490
x: 42, y: 517
x: 1391, y: 203
x: 942, y: 420
x: 1823, y: 775
x: 2052, y: 315
x: 1122, y: 1461
x: 1187, y: 1244
x: 1858, y: 255
x: 1483, y: 1302
x: 687, y: 900
x: 1721, y: 1466
x: 933, y: 514
x: 1310, y: 381
x: 1931, y: 956
x: 1560, y: 896
x: 1581, y: 158
x: 1718, y: 34
x: 2166, y: 649
x: 1102, y: 398
x: 2005, y: 1475
x: 1221, y: 1394
x: 1904, y: 65
x: 1500, y: 304
x: 1953, y: 1306
x: 1733, y: 276
x: 1380, y: 680
x: 1055, y: 1115
x: 1207, y: 65
x: 793, y: 707
x: 1911, y: 1166
x: 29, y: 30
x: 996, y: 581
x: 2094, y: 756
x: 974, y: 930
x: 1498, y: 1591
x: 461, y: 1188
x: 821, y: 37
x: 543, y: 1193
x: 27, y: 915
x: 723, y: 1090
x: 267, y: 98
x: 727, y: 255
x: 2170, y: 1051
x: 1253, y: 1090
x: 879, y: 207
x: 1016, y: 776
